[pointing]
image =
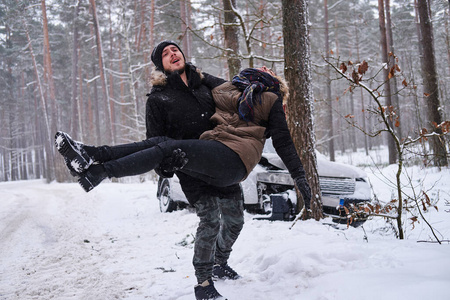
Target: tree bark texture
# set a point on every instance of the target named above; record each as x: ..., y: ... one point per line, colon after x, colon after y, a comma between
x: 108, y: 138
x: 391, y: 59
x: 231, y: 38
x: 384, y: 55
x: 75, y: 125
x: 185, y: 25
x: 328, y: 86
x: 297, y: 54
x: 48, y: 136
x: 430, y: 82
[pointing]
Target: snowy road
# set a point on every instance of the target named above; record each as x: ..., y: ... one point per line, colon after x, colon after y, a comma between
x: 58, y: 242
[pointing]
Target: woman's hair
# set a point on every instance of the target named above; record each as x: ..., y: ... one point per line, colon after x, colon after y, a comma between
x: 284, y: 88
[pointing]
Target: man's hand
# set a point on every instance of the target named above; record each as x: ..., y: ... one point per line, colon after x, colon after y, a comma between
x: 172, y: 164
x: 305, y: 190
x: 177, y: 161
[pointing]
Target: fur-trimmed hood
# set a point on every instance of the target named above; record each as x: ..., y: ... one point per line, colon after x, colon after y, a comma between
x: 159, y: 78
x: 284, y: 88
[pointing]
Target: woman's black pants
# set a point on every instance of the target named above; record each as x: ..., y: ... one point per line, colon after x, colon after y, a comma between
x: 209, y: 161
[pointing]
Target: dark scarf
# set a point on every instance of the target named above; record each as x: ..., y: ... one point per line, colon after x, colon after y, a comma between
x: 253, y: 83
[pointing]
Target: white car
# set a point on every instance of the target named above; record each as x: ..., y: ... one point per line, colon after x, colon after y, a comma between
x: 340, y: 185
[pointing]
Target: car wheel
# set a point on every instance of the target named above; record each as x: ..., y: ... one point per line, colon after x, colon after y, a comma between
x: 166, y: 203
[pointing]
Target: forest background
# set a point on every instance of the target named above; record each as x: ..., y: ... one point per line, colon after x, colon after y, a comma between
x: 84, y: 67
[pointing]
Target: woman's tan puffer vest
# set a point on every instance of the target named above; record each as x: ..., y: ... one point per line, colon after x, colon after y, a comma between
x: 245, y: 138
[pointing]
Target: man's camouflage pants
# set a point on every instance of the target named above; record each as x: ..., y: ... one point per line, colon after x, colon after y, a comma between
x: 221, y: 221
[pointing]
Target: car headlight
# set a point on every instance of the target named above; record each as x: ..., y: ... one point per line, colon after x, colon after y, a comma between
x: 275, y: 177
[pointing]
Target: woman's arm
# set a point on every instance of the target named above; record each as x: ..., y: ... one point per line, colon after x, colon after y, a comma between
x: 283, y: 144
x: 282, y: 140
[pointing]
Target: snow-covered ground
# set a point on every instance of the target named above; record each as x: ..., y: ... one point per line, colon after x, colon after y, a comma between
x: 58, y: 242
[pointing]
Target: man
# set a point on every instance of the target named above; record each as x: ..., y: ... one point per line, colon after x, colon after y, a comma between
x: 179, y: 106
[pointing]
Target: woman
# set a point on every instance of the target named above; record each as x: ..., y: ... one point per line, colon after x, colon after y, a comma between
x: 248, y: 110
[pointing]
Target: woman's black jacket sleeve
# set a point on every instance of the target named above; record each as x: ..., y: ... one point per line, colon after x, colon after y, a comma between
x: 282, y: 141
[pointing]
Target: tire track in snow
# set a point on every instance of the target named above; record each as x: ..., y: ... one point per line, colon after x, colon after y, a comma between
x: 49, y: 259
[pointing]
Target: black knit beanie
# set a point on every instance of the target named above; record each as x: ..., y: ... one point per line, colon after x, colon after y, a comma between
x: 157, y: 54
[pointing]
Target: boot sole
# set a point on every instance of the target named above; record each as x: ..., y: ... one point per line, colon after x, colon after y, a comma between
x: 85, y: 183
x: 75, y: 160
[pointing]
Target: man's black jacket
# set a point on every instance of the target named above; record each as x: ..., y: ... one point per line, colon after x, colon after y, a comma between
x: 183, y: 112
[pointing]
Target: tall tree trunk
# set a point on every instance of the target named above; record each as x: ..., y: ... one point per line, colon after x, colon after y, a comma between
x: 141, y: 34
x: 93, y: 102
x: 430, y: 81
x: 150, y: 44
x: 184, y: 15
x: 49, y: 162
x: 363, y: 106
x: 12, y: 123
x: 297, y: 55
x: 109, y: 138
x: 111, y: 67
x: 391, y: 58
x: 123, y: 107
x: 75, y: 125
x: 58, y: 168
x: 147, y: 48
x: 447, y: 38
x: 330, y: 126
x: 419, y: 101
x: 81, y: 111
x: 131, y: 86
x: 384, y: 55
x: 231, y: 38
x: 353, y: 142
x: 261, y: 29
x: 189, y: 24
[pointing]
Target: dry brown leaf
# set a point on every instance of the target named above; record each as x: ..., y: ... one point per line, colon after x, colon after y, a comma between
x: 391, y: 73
x: 363, y: 67
x: 355, y: 77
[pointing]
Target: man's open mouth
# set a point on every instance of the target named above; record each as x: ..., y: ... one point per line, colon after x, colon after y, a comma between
x: 175, y: 60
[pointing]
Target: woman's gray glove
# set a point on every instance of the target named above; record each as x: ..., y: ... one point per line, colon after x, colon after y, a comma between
x: 304, y: 189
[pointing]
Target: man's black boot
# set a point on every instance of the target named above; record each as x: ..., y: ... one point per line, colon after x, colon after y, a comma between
x: 207, y: 291
x: 224, y: 271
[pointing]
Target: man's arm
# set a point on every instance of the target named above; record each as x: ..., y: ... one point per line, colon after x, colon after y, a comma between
x: 154, y: 118
x: 155, y: 127
x: 212, y: 81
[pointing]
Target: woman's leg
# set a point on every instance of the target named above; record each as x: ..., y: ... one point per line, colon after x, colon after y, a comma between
x: 210, y: 161
x: 106, y: 153
x: 79, y: 157
x: 133, y: 164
